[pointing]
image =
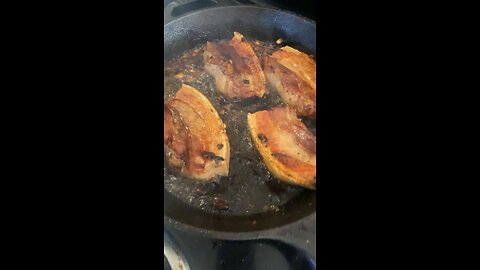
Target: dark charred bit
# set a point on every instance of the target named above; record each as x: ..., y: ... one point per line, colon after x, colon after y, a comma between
x: 223, y: 101
x: 276, y: 187
x: 245, y: 161
x: 170, y: 139
x: 220, y: 146
x: 212, y: 156
x: 218, y: 159
x: 256, y: 173
x: 263, y: 139
x: 221, y: 205
x: 246, y: 81
x: 279, y: 155
x: 208, y: 155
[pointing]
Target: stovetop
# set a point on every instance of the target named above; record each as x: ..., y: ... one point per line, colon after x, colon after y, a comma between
x: 213, y: 254
x: 193, y: 251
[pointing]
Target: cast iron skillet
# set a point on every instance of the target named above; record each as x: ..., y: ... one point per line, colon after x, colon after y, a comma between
x: 295, y: 222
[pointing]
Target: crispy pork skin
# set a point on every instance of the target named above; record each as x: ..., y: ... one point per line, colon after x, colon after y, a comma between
x: 235, y: 67
x: 287, y: 147
x: 293, y: 75
x: 195, y: 140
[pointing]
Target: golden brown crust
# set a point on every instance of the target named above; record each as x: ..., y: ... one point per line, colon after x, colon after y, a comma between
x: 202, y: 157
x: 175, y: 138
x: 235, y: 67
x: 293, y: 75
x: 301, y: 64
x: 286, y: 146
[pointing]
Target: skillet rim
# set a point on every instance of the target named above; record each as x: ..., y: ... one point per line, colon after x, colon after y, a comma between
x: 240, y: 7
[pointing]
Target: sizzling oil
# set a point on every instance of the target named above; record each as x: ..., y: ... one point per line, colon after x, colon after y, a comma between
x: 249, y: 188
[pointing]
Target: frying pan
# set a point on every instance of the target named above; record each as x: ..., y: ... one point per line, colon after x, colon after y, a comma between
x: 294, y: 223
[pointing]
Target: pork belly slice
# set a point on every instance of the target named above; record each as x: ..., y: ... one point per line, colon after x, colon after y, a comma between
x: 235, y: 68
x: 195, y: 140
x: 287, y: 147
x: 293, y: 75
x: 175, y: 138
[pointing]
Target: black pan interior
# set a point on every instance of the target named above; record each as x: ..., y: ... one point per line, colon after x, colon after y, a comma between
x: 255, y: 23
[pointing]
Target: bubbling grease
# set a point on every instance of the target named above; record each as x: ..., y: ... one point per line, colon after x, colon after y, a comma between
x: 249, y: 188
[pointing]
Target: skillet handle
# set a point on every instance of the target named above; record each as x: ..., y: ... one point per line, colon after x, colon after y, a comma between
x: 179, y: 8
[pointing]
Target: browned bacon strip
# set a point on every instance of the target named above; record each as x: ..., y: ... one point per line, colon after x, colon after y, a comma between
x: 235, y: 67
x: 287, y: 147
x: 293, y: 75
x: 195, y: 140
